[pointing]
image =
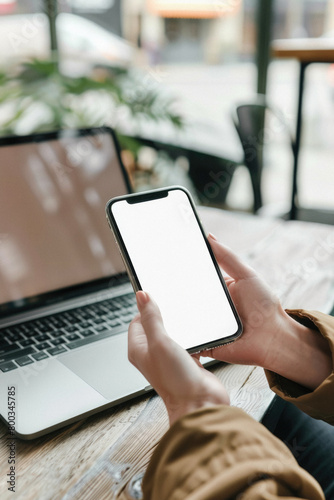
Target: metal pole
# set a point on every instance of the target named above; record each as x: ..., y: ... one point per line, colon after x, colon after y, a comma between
x: 264, y: 33
x: 51, y: 11
x: 294, y: 198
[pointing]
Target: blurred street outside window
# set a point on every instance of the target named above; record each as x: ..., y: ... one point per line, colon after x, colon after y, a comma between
x: 204, y: 56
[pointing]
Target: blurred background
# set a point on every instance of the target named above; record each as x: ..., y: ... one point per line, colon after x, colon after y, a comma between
x: 168, y: 75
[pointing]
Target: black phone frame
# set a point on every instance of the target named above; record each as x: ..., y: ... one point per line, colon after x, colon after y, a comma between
x: 153, y: 195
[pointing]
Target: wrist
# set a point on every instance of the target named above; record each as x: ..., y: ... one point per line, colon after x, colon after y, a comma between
x: 299, y: 353
x: 178, y: 410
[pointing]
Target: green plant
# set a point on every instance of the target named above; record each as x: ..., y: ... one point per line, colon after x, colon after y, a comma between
x: 38, y: 97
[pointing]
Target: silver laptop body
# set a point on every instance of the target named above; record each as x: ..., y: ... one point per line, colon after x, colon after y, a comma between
x: 65, y: 299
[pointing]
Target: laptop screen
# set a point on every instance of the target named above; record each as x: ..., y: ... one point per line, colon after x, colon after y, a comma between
x: 53, y: 229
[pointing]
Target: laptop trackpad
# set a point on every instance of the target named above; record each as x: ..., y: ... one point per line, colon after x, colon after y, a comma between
x: 106, y: 368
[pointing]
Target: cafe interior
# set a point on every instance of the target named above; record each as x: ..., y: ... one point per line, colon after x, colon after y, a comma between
x: 232, y: 100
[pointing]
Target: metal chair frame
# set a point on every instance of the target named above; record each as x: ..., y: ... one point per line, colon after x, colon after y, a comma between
x: 249, y: 121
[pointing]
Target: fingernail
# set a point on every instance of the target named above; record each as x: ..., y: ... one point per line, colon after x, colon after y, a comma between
x: 142, y: 298
x: 212, y: 236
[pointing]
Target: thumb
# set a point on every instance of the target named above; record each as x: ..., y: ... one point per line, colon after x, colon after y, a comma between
x: 150, y: 316
x: 229, y: 260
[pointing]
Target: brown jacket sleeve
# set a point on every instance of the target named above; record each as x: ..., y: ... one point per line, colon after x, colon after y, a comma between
x: 220, y: 453
x: 320, y: 402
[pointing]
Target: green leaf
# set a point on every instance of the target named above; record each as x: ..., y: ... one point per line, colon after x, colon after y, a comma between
x: 39, y: 81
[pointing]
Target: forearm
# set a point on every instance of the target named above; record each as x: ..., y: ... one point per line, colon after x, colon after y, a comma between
x: 300, y: 354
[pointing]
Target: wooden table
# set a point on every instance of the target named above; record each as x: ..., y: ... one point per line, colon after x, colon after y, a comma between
x: 307, y: 51
x: 104, y: 456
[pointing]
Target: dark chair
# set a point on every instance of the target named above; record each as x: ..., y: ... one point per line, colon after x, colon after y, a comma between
x: 250, y: 121
x: 210, y: 175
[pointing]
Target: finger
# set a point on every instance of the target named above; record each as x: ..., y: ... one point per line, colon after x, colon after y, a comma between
x: 196, y: 355
x: 135, y: 328
x: 229, y: 260
x: 136, y: 338
x: 136, y: 318
x: 208, y: 353
x: 197, y: 361
x: 134, y: 325
x: 228, y: 280
x: 150, y: 315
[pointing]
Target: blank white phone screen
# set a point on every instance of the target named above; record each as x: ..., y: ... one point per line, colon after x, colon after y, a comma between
x: 173, y: 264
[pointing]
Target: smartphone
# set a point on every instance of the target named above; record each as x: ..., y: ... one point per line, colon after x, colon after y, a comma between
x: 166, y: 254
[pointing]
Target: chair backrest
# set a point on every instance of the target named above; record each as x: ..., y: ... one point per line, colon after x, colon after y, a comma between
x: 250, y: 122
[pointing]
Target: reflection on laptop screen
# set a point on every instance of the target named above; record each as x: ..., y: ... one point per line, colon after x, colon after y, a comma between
x: 53, y: 230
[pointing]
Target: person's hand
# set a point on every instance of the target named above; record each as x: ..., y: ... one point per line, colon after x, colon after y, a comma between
x: 180, y: 379
x: 270, y: 338
x: 259, y: 309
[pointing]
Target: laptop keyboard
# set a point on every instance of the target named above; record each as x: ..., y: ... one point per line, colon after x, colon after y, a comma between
x: 21, y: 345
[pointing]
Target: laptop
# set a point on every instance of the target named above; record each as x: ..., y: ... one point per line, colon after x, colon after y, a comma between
x: 65, y: 298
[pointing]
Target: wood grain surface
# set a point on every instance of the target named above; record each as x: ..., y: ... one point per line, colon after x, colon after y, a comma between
x: 105, y: 455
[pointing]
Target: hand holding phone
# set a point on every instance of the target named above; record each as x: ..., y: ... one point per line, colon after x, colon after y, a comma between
x: 167, y: 255
x: 178, y: 378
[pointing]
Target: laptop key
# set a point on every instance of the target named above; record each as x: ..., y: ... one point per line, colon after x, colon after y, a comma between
x: 122, y: 312
x: 101, y: 328
x: 116, y: 322
x: 86, y: 314
x: 101, y: 313
x: 97, y: 321
x: 56, y: 350
x: 72, y: 336
x: 14, y: 337
x: 87, y: 333
x: 8, y: 347
x: 18, y: 329
x: 76, y: 317
x: 71, y: 329
x: 9, y: 356
x: 7, y: 367
x: 42, y: 346
x: 58, y: 323
x: 127, y: 318
x: 95, y: 338
x: 112, y: 307
x: 42, y: 338
x: 3, y: 341
x: 31, y: 325
x: 84, y: 325
x: 25, y: 343
x: 31, y: 333
x: 45, y: 328
x: 26, y: 327
x: 39, y: 356
x: 58, y: 341
x: 110, y: 316
x: 57, y: 333
x: 24, y: 360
